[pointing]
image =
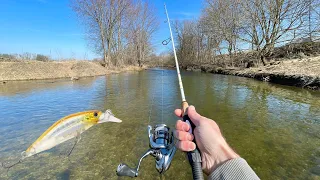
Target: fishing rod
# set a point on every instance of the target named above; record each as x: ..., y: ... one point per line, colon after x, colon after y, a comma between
x: 161, y: 139
x: 194, y: 157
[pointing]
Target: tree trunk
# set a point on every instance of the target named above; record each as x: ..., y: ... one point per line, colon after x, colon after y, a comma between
x: 263, y: 60
x: 105, y: 54
x: 105, y: 57
x: 230, y: 53
x: 140, y: 56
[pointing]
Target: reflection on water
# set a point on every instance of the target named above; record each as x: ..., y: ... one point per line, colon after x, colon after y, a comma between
x: 276, y: 128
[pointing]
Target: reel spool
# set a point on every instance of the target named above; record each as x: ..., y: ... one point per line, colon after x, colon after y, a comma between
x: 161, y: 142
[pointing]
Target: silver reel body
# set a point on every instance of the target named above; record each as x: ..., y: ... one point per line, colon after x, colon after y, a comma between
x: 161, y: 142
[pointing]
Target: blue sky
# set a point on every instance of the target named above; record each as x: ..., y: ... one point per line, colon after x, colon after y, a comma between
x: 50, y: 27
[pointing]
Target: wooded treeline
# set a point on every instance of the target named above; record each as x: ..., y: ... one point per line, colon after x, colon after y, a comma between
x: 119, y: 30
x: 230, y: 29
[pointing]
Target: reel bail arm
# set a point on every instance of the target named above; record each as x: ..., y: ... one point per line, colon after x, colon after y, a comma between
x: 161, y: 142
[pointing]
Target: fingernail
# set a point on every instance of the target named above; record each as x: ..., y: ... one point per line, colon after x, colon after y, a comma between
x: 192, y: 146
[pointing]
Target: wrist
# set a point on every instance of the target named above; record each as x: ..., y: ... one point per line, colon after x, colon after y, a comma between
x: 224, y: 154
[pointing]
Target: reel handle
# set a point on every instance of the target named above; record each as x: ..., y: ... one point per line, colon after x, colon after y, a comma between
x: 124, y: 170
x: 194, y: 156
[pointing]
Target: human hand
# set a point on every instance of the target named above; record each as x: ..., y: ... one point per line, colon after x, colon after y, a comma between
x: 212, y: 145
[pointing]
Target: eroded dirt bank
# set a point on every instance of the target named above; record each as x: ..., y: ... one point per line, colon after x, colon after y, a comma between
x: 297, y: 72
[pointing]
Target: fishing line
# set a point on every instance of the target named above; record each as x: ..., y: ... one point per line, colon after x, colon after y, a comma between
x: 165, y: 43
x: 150, y: 110
x: 161, y: 139
x: 162, y: 89
x: 14, y: 164
x: 142, y: 128
x: 10, y: 166
x: 149, y: 116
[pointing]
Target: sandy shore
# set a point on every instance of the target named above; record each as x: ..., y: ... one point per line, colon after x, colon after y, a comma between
x: 34, y: 70
x: 296, y: 72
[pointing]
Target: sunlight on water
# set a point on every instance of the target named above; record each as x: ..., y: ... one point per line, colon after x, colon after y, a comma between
x: 275, y: 128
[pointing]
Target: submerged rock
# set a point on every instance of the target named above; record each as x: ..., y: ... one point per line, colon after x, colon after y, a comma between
x: 316, y: 170
x: 74, y: 78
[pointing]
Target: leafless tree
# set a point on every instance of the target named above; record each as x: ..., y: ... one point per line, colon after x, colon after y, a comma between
x: 312, y: 29
x: 142, y: 25
x: 268, y: 22
x: 213, y: 37
x: 186, y: 41
x: 232, y: 26
x: 223, y: 15
x: 114, y: 26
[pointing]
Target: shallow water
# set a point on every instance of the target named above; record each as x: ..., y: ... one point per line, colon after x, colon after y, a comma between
x: 275, y: 128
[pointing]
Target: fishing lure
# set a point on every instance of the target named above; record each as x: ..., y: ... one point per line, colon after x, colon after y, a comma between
x: 65, y: 129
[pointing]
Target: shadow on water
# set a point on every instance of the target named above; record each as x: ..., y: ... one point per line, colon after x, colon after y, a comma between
x: 64, y: 175
x: 275, y: 128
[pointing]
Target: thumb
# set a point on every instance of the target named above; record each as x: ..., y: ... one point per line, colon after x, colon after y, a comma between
x: 194, y: 116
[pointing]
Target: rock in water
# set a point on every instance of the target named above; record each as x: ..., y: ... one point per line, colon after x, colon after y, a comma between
x: 74, y: 78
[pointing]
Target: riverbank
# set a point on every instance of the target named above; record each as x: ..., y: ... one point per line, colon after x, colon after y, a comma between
x: 37, y: 70
x: 294, y: 72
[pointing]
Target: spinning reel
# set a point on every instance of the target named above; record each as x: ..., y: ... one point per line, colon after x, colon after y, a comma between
x: 161, y: 142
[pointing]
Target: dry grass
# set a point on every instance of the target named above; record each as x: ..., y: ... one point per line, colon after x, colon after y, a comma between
x: 31, y: 70
x: 297, y: 67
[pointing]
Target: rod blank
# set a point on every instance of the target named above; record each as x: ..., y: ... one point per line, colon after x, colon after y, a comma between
x: 175, y: 57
